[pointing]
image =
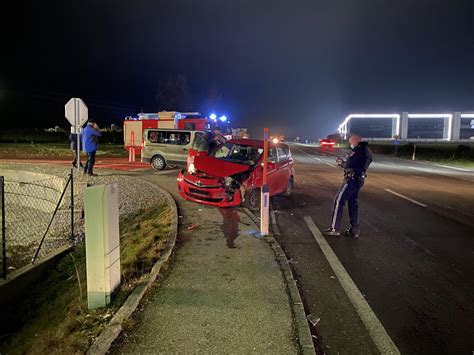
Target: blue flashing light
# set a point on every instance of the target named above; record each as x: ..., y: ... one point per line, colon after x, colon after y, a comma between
x: 213, y: 116
x: 223, y: 118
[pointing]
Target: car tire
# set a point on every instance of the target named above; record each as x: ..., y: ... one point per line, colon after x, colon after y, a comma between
x: 289, y: 188
x: 158, y: 162
x: 252, y: 200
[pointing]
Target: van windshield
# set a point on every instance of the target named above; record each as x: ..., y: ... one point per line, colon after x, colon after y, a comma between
x: 236, y: 153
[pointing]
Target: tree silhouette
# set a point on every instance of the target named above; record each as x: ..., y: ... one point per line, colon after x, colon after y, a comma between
x: 172, y: 93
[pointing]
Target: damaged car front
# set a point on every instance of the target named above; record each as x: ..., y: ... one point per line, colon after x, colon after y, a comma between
x: 222, y: 177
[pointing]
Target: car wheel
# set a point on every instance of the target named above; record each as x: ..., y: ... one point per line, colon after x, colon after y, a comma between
x: 158, y: 162
x: 289, y: 188
x: 252, y: 200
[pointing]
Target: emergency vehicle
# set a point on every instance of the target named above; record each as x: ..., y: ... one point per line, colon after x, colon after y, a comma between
x: 133, y: 127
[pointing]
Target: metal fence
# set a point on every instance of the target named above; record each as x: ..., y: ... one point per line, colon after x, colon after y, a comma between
x: 37, y: 217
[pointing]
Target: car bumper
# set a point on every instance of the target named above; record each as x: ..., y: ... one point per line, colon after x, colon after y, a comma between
x: 146, y: 160
x: 212, y: 196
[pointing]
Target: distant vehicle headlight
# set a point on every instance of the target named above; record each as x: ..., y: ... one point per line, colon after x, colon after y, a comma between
x: 275, y: 140
x: 192, y: 169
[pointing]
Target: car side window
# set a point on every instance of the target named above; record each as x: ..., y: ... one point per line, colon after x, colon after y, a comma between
x: 153, y: 136
x: 157, y: 136
x: 282, y: 156
x: 162, y: 137
x: 272, y: 155
x: 178, y: 138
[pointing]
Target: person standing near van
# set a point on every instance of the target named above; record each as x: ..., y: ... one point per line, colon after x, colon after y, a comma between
x: 217, y: 138
x: 74, y: 148
x: 90, y: 143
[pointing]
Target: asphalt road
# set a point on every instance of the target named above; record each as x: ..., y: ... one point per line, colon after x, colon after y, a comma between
x: 413, y: 262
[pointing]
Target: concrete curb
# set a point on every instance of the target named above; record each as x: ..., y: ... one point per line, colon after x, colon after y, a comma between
x: 103, y: 342
x: 305, y: 340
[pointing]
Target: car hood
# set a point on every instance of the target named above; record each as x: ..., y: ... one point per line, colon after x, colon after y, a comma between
x: 217, y: 167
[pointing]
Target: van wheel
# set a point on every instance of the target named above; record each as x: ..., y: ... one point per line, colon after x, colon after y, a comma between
x: 289, y: 187
x: 252, y: 200
x: 158, y: 162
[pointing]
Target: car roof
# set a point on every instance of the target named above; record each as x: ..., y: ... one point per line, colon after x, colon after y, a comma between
x: 255, y: 143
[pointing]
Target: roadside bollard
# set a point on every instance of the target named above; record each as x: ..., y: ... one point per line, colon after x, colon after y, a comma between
x: 102, y: 243
x: 265, y: 194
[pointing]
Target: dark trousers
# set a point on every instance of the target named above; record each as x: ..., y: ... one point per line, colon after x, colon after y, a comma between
x: 88, y: 168
x: 74, y: 162
x: 348, y: 192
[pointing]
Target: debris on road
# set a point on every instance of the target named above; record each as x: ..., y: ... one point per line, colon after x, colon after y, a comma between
x: 312, y: 319
x: 253, y: 233
x: 192, y: 227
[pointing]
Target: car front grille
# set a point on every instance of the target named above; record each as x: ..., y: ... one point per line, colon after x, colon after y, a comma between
x: 198, y: 192
x: 198, y: 183
x: 203, y: 198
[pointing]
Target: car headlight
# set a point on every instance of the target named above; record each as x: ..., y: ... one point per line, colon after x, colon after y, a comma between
x: 191, y: 169
x: 228, y: 180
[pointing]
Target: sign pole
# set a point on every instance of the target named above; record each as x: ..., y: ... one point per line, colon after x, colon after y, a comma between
x: 76, y: 113
x: 78, y: 138
x: 265, y: 194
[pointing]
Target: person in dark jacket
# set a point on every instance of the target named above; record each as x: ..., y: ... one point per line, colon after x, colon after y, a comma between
x: 90, y: 143
x: 355, y: 168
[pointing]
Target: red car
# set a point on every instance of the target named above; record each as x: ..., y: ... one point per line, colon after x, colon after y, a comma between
x: 327, y: 143
x: 231, y: 173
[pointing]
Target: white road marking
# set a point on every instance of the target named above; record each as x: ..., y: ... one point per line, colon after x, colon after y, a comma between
x: 454, y: 168
x: 310, y: 155
x: 379, y: 335
x: 318, y: 159
x: 420, y: 169
x: 406, y: 198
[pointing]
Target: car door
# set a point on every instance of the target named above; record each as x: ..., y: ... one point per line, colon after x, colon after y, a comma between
x: 283, y: 167
x: 272, y: 171
x: 177, y: 147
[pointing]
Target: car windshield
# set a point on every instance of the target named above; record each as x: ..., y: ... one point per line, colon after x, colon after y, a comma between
x: 236, y: 153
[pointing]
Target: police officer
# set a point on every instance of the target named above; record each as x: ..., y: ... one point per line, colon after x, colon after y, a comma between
x: 355, y: 168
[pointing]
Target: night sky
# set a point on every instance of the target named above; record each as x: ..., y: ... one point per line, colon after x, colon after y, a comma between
x: 296, y: 66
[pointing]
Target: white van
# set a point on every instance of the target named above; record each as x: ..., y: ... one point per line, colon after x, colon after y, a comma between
x: 164, y: 147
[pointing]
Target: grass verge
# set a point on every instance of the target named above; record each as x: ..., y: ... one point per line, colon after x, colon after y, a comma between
x: 53, y: 317
x: 53, y: 150
x: 461, y: 155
